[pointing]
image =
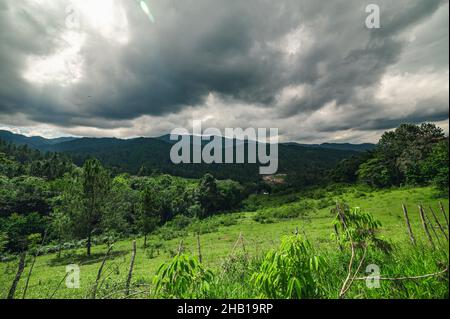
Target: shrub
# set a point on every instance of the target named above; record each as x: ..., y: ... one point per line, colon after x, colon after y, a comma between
x: 293, y: 210
x: 184, y: 278
x: 360, y: 227
x: 291, y: 272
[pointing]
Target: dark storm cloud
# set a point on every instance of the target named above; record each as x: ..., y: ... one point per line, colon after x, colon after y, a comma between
x: 234, y: 49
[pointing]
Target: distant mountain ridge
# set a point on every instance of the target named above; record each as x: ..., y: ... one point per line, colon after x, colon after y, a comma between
x: 340, y: 146
x: 32, y: 141
x: 152, y: 155
x: 45, y: 144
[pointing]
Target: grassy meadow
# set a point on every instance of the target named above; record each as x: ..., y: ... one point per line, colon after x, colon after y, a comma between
x: 234, y: 245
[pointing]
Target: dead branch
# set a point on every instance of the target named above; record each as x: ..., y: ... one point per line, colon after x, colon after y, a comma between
x: 407, y: 277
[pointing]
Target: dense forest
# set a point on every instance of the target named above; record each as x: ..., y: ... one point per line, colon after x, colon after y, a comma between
x: 151, y: 156
x: 53, y: 198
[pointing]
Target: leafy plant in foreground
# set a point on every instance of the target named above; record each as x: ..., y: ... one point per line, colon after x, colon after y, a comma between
x: 290, y: 272
x: 183, y: 277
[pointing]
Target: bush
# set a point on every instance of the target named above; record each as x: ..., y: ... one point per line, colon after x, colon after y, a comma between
x: 212, y: 224
x: 291, y: 272
x: 294, y: 210
x: 184, y: 278
x: 179, y: 222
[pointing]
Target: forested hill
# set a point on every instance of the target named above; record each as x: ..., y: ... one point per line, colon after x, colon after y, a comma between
x: 37, y: 142
x: 305, y: 164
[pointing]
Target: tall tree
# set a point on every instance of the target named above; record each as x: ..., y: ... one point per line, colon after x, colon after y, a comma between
x: 399, y: 155
x: 207, y: 195
x: 60, y: 226
x: 120, y: 212
x: 151, y: 211
x: 96, y: 185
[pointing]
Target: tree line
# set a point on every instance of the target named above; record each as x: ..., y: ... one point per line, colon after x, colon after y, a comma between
x: 410, y: 155
x: 90, y: 201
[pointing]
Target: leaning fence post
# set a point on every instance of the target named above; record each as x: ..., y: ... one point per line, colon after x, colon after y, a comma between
x: 424, y: 225
x: 443, y: 213
x: 99, y: 274
x: 21, y: 267
x: 408, y: 225
x: 32, y: 266
x: 432, y: 227
x: 438, y: 223
x: 130, y: 271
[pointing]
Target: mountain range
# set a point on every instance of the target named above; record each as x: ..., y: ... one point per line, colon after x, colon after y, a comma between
x: 153, y: 155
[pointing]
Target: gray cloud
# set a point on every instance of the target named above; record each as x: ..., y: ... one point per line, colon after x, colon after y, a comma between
x: 282, y: 61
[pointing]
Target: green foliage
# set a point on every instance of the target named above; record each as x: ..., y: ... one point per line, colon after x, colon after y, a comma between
x: 18, y: 228
x: 207, y: 196
x: 96, y: 186
x: 22, y: 160
x: 3, y: 241
x: 375, y: 172
x: 293, y: 210
x: 84, y: 205
x: 8, y: 167
x: 435, y: 167
x: 358, y: 227
x: 212, y: 224
x: 24, y: 195
x: 151, y: 210
x: 183, y: 277
x: 291, y: 272
x: 346, y: 171
x: 233, y: 271
x: 83, y: 200
x: 121, y: 210
x: 402, y: 155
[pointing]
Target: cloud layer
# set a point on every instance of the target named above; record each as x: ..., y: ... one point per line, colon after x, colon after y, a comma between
x: 103, y: 68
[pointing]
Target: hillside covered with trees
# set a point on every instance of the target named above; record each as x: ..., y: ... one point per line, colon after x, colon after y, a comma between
x: 46, y: 195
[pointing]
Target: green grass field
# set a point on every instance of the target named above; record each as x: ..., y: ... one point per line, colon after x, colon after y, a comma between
x: 314, y: 222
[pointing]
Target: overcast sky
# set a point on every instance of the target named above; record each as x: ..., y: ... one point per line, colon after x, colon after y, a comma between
x: 310, y: 68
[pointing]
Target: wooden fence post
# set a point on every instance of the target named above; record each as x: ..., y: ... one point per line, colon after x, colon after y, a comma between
x: 432, y: 227
x: 99, y: 274
x: 438, y: 223
x: 21, y: 267
x: 130, y: 271
x: 424, y: 225
x: 443, y: 213
x: 32, y: 266
x: 408, y: 225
